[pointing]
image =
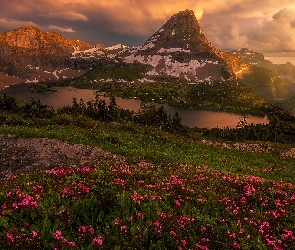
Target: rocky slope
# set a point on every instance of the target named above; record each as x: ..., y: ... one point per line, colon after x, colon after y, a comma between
x: 179, y: 48
x: 27, y: 154
x: 286, y: 71
x: 28, y: 54
x: 272, y: 81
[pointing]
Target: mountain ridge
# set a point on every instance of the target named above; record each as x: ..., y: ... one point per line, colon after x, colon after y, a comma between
x: 181, y: 41
x: 178, y: 49
x: 30, y: 54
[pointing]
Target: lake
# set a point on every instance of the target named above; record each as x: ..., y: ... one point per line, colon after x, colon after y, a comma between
x: 191, y: 118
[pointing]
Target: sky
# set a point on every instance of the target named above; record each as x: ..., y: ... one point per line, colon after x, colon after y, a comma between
x: 260, y: 25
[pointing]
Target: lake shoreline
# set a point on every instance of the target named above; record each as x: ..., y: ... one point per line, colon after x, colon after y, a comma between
x: 63, y: 96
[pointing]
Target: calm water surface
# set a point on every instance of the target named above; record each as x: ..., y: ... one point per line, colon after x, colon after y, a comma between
x: 191, y: 118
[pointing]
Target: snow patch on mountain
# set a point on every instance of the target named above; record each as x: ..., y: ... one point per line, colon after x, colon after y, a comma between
x: 172, y: 50
x: 165, y: 65
x: 116, y: 47
x: 87, y: 54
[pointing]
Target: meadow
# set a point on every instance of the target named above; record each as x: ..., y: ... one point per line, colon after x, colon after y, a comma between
x: 174, y: 192
x: 145, y: 206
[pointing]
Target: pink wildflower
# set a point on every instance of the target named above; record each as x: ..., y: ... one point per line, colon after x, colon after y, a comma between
x: 140, y: 215
x: 173, y: 233
x: 236, y: 245
x: 85, y: 169
x: 34, y: 234
x: 83, y: 229
x: 243, y: 200
x: 97, y: 240
x: 249, y: 190
x: 10, y: 237
x: 8, y: 194
x: 84, y: 188
x: 233, y: 235
x: 91, y: 230
x: 158, y: 227
x: 201, y: 247
x: 71, y: 243
x: 57, y: 235
x: 124, y: 229
x: 177, y: 203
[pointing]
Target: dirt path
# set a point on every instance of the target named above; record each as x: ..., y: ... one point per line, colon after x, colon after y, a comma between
x: 26, y: 154
x: 20, y: 154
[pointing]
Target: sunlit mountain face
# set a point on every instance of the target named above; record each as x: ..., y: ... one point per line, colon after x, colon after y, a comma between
x: 30, y: 55
x: 180, y: 48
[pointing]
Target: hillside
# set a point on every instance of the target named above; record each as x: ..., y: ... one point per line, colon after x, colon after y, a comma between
x: 266, y: 83
x: 28, y: 54
x: 180, y: 49
x: 92, y: 175
x: 275, y: 82
x: 152, y: 189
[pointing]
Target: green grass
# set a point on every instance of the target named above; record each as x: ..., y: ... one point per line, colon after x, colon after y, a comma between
x: 271, y: 87
x: 145, y: 206
x: 173, y: 193
x: 152, y: 145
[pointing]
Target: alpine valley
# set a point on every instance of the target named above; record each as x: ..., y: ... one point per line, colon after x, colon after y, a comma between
x: 178, y: 52
x: 93, y: 175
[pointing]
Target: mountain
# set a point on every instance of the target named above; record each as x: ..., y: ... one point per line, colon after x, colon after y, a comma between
x: 179, y: 48
x: 272, y: 81
x: 285, y: 72
x: 28, y: 54
x: 252, y: 57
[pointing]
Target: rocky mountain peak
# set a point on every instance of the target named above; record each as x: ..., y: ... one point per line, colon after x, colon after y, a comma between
x: 34, y: 39
x: 25, y: 52
x: 182, y: 31
x: 249, y: 56
x: 179, y: 48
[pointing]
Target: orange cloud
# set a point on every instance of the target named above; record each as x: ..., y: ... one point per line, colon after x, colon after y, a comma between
x: 226, y: 23
x: 65, y: 15
x: 12, y: 24
x: 60, y: 29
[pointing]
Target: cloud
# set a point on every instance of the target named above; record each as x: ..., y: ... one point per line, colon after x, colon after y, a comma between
x: 283, y: 15
x: 65, y: 15
x: 61, y: 29
x: 13, y: 24
x: 227, y: 24
x: 276, y: 34
x: 227, y: 37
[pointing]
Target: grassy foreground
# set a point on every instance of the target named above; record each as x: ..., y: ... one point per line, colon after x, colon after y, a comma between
x: 189, y: 195
x: 143, y: 206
